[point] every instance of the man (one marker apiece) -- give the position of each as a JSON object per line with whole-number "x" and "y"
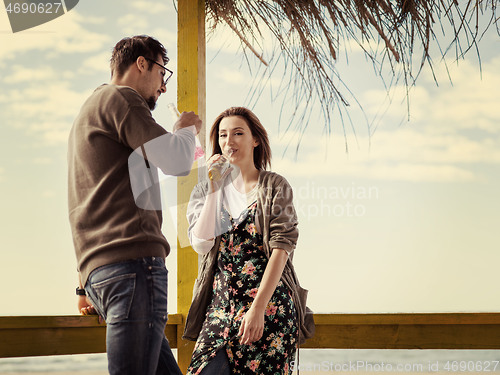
{"x": 119, "y": 246}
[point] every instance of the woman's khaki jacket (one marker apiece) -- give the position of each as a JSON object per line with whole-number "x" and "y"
{"x": 278, "y": 222}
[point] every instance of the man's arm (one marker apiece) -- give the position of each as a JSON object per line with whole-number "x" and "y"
{"x": 85, "y": 307}
{"x": 173, "y": 152}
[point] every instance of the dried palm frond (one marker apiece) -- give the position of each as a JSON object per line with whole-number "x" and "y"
{"x": 310, "y": 34}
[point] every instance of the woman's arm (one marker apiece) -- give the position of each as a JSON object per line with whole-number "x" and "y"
{"x": 205, "y": 224}
{"x": 202, "y": 209}
{"x": 194, "y": 209}
{"x": 283, "y": 234}
{"x": 252, "y": 325}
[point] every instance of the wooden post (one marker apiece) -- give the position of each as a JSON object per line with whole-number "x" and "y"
{"x": 191, "y": 89}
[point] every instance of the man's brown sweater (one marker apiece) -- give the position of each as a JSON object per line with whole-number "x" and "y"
{"x": 107, "y": 225}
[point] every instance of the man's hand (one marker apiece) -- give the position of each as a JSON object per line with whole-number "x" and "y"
{"x": 85, "y": 307}
{"x": 187, "y": 119}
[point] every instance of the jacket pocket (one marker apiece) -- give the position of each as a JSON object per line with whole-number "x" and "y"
{"x": 307, "y": 326}
{"x": 202, "y": 293}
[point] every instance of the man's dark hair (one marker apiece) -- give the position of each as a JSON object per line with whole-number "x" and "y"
{"x": 128, "y": 50}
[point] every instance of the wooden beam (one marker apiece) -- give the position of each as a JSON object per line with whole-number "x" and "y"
{"x": 191, "y": 88}
{"x": 407, "y": 331}
{"x": 55, "y": 335}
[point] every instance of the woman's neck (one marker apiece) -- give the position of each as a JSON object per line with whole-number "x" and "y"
{"x": 245, "y": 179}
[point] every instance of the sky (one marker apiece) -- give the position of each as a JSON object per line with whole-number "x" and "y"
{"x": 405, "y": 221}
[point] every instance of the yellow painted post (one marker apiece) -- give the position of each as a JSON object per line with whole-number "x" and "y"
{"x": 191, "y": 89}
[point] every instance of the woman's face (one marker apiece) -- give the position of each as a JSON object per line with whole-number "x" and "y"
{"x": 236, "y": 141}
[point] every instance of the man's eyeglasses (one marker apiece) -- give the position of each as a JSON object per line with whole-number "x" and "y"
{"x": 168, "y": 72}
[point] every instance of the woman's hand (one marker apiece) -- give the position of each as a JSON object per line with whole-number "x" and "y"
{"x": 218, "y": 170}
{"x": 252, "y": 326}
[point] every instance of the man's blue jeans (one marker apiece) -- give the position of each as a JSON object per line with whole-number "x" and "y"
{"x": 132, "y": 297}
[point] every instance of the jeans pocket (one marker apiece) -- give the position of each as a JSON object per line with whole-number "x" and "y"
{"x": 116, "y": 295}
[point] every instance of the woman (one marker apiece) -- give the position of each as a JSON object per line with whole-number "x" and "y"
{"x": 243, "y": 221}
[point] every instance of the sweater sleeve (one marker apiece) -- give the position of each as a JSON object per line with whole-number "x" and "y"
{"x": 283, "y": 225}
{"x": 173, "y": 153}
{"x": 134, "y": 122}
{"x": 195, "y": 205}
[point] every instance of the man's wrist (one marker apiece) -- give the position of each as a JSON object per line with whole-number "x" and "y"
{"x": 80, "y": 291}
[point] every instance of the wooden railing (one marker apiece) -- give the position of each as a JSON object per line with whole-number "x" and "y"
{"x": 55, "y": 335}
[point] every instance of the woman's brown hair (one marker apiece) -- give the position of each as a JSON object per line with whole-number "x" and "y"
{"x": 262, "y": 152}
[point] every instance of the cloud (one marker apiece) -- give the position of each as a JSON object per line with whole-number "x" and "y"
{"x": 45, "y": 114}
{"x": 404, "y": 154}
{"x": 223, "y": 39}
{"x": 64, "y": 35}
{"x": 150, "y": 8}
{"x": 52, "y": 132}
{"x": 414, "y": 145}
{"x": 21, "y": 74}
{"x": 397, "y": 171}
{"x": 97, "y": 63}
{"x": 469, "y": 103}
{"x": 452, "y": 132}
{"x": 139, "y": 19}
{"x": 167, "y": 38}
{"x": 42, "y": 95}
{"x": 231, "y": 76}
{"x": 57, "y": 99}
{"x": 132, "y": 24}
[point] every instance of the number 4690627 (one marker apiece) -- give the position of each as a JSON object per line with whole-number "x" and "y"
{"x": 40, "y": 8}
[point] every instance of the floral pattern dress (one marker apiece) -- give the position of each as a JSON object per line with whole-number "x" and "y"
{"x": 241, "y": 264}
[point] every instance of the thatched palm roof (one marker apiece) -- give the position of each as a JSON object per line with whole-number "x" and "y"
{"x": 310, "y": 33}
